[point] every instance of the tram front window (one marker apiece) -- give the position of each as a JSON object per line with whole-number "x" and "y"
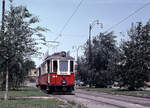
{"x": 63, "y": 66}
{"x": 55, "y": 66}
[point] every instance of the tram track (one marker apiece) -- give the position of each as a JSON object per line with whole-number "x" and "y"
{"x": 87, "y": 99}
{"x": 100, "y": 102}
{"x": 60, "y": 94}
{"x": 92, "y": 100}
{"x": 136, "y": 100}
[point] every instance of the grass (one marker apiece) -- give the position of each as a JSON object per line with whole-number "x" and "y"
{"x": 72, "y": 102}
{"x": 23, "y": 92}
{"x": 80, "y": 106}
{"x": 119, "y": 91}
{"x": 31, "y": 103}
{"x": 21, "y": 102}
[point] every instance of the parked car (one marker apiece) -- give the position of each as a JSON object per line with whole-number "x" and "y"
{"x": 79, "y": 83}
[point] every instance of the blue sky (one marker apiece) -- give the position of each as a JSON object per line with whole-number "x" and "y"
{"x": 53, "y": 14}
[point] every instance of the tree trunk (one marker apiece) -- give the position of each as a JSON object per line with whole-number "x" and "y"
{"x": 6, "y": 92}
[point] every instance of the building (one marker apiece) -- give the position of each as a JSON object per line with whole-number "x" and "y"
{"x": 32, "y": 73}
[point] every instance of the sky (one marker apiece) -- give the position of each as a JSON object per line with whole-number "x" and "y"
{"x": 53, "y": 14}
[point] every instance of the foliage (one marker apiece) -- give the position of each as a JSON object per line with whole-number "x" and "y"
{"x": 128, "y": 64}
{"x": 82, "y": 70}
{"x": 105, "y": 55}
{"x": 18, "y": 43}
{"x": 134, "y": 65}
{"x": 19, "y": 73}
{"x": 104, "y": 58}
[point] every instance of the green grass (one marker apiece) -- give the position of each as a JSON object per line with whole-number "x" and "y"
{"x": 23, "y": 92}
{"x": 32, "y": 103}
{"x": 21, "y": 102}
{"x": 119, "y": 91}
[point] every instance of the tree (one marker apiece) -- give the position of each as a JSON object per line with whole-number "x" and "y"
{"x": 19, "y": 71}
{"x": 29, "y": 64}
{"x": 82, "y": 68}
{"x": 18, "y": 40}
{"x": 135, "y": 65}
{"x": 104, "y": 59}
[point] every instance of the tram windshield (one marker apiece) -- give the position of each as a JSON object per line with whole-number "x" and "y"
{"x": 63, "y": 66}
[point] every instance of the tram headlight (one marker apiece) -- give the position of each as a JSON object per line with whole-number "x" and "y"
{"x": 63, "y": 81}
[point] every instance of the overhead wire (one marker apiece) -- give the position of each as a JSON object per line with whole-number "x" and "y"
{"x": 69, "y": 19}
{"x": 133, "y": 13}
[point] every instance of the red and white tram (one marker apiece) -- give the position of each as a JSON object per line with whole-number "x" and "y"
{"x": 56, "y": 73}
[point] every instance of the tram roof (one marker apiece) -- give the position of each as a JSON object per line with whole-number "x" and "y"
{"x": 60, "y": 55}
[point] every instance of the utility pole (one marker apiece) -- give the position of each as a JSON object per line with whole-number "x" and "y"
{"x": 2, "y": 27}
{"x": 3, "y": 15}
{"x": 2, "y": 30}
{"x": 77, "y": 49}
{"x": 90, "y": 29}
{"x": 91, "y": 25}
{"x": 90, "y": 52}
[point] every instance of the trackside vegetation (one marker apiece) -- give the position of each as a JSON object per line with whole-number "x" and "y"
{"x": 18, "y": 42}
{"x": 126, "y": 63}
{"x": 28, "y": 97}
{"x": 23, "y": 92}
{"x": 138, "y": 93}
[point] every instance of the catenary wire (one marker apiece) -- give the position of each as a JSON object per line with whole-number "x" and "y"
{"x": 67, "y": 22}
{"x": 115, "y": 25}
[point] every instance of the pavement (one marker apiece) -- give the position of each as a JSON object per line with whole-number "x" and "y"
{"x": 30, "y": 84}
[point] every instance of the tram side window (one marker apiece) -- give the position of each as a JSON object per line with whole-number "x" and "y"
{"x": 55, "y": 66}
{"x": 48, "y": 69}
{"x": 71, "y": 66}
